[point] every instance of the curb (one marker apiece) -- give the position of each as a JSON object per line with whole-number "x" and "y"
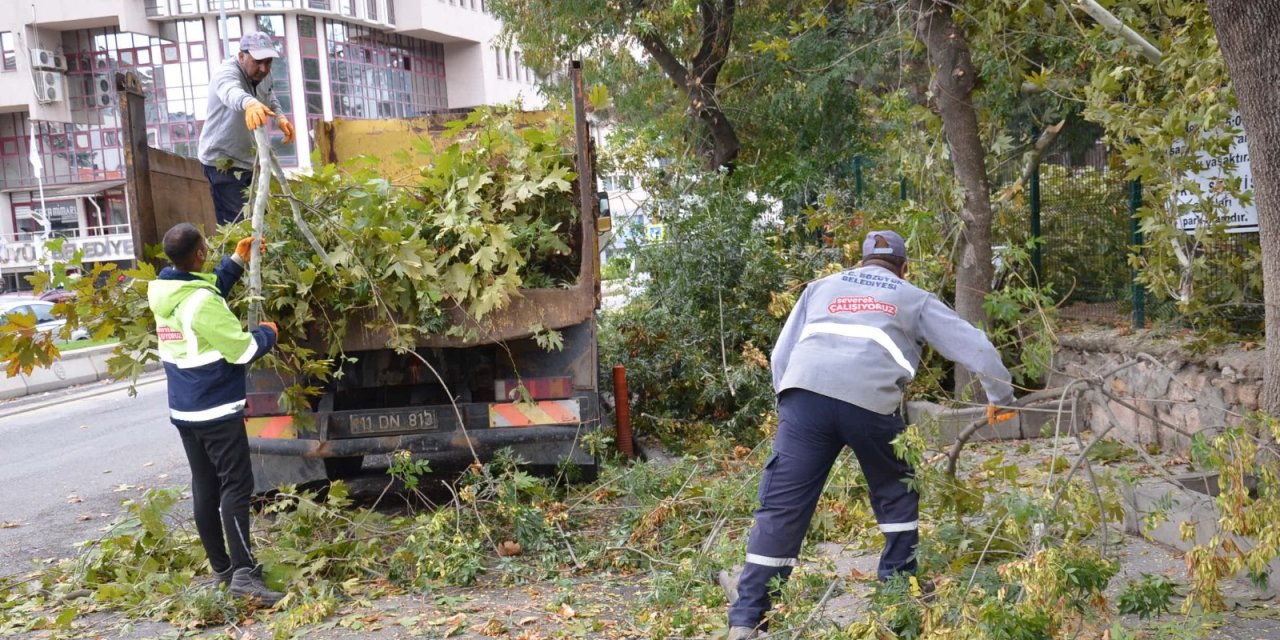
{"x": 79, "y": 367}
{"x": 1191, "y": 501}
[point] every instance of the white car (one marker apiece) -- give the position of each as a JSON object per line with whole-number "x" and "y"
{"x": 43, "y": 311}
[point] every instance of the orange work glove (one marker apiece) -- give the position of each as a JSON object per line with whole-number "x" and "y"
{"x": 245, "y": 246}
{"x": 272, "y": 326}
{"x": 286, "y": 127}
{"x": 256, "y": 114}
{"x": 999, "y": 414}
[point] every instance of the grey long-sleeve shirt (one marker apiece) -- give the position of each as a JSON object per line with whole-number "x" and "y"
{"x": 224, "y": 134}
{"x": 857, "y": 336}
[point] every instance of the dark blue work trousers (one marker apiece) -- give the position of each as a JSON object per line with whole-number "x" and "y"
{"x": 812, "y": 431}
{"x": 228, "y": 190}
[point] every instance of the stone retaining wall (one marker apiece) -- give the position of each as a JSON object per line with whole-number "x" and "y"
{"x": 1192, "y": 392}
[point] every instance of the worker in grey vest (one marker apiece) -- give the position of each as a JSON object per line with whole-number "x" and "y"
{"x": 241, "y": 99}
{"x": 847, "y": 351}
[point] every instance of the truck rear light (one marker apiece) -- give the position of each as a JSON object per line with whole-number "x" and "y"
{"x": 508, "y": 390}
{"x": 262, "y": 404}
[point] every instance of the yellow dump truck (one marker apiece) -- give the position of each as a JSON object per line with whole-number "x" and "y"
{"x": 507, "y": 391}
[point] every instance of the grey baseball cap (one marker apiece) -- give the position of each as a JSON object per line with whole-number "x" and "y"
{"x": 896, "y": 246}
{"x": 259, "y": 45}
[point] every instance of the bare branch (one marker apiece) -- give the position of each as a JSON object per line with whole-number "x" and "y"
{"x": 1113, "y": 24}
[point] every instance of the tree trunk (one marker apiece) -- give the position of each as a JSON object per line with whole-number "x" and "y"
{"x": 953, "y": 82}
{"x": 700, "y": 78}
{"x": 1245, "y": 30}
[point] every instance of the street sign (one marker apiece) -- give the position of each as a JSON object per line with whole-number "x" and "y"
{"x": 655, "y": 232}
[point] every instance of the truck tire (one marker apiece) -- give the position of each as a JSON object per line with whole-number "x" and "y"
{"x": 342, "y": 468}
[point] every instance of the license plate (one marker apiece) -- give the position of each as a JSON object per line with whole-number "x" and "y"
{"x": 376, "y": 423}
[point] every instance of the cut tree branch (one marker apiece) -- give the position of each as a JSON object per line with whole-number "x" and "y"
{"x": 1113, "y": 24}
{"x": 1042, "y": 144}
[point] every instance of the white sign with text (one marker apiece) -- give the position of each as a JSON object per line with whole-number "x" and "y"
{"x": 1239, "y": 218}
{"x": 25, "y": 255}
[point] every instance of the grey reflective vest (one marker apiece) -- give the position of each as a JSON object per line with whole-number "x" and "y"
{"x": 857, "y": 336}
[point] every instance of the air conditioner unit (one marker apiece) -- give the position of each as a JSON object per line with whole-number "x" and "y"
{"x": 50, "y": 86}
{"x": 46, "y": 60}
{"x": 102, "y": 84}
{"x": 104, "y": 99}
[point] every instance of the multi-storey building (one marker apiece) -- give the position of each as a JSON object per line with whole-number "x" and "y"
{"x": 339, "y": 59}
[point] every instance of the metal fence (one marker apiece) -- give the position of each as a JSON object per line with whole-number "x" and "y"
{"x": 1084, "y": 210}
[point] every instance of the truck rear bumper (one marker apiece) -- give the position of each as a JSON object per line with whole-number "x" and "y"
{"x": 484, "y": 441}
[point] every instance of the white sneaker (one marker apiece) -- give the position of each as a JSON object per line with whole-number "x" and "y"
{"x": 745, "y": 633}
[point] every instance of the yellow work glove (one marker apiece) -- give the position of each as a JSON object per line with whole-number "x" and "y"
{"x": 245, "y": 246}
{"x": 272, "y": 326}
{"x": 999, "y": 414}
{"x": 256, "y": 114}
{"x": 286, "y": 127}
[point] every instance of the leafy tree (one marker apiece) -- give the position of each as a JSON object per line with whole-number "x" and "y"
{"x": 691, "y": 44}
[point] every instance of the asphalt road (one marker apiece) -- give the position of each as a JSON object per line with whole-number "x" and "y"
{"x": 68, "y": 461}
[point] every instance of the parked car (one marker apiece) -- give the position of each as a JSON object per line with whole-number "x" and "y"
{"x": 46, "y": 322}
{"x": 57, "y": 295}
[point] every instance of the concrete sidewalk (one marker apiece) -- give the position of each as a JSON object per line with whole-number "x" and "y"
{"x": 72, "y": 369}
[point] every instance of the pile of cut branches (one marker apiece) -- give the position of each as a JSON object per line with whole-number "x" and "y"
{"x": 489, "y": 209}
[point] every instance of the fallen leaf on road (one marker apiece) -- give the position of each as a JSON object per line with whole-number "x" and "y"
{"x": 524, "y": 622}
{"x": 9, "y": 525}
{"x": 163, "y": 476}
{"x": 74, "y": 499}
{"x": 148, "y": 464}
{"x": 567, "y": 611}
{"x": 455, "y": 619}
{"x": 509, "y": 548}
{"x": 122, "y": 487}
{"x": 84, "y": 426}
{"x": 106, "y": 472}
{"x": 85, "y": 517}
{"x": 493, "y": 628}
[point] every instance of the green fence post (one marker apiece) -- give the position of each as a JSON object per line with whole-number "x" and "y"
{"x": 1033, "y": 196}
{"x": 1135, "y": 230}
{"x": 857, "y": 179}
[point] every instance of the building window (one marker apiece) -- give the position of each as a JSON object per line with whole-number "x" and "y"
{"x": 497, "y": 59}
{"x": 509, "y": 74}
{"x": 320, "y": 5}
{"x": 371, "y": 6}
{"x": 89, "y": 147}
{"x": 8, "y": 50}
{"x": 380, "y": 75}
{"x": 311, "y": 86}
{"x": 273, "y": 25}
{"x": 231, "y": 31}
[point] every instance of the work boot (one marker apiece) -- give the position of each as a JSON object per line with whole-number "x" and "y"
{"x": 247, "y": 583}
{"x": 745, "y": 633}
{"x": 223, "y": 578}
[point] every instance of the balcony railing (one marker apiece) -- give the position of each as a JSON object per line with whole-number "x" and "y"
{"x": 375, "y": 11}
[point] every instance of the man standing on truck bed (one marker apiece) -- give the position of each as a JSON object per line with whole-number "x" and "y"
{"x": 205, "y": 352}
{"x": 240, "y": 90}
{"x": 849, "y": 347}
